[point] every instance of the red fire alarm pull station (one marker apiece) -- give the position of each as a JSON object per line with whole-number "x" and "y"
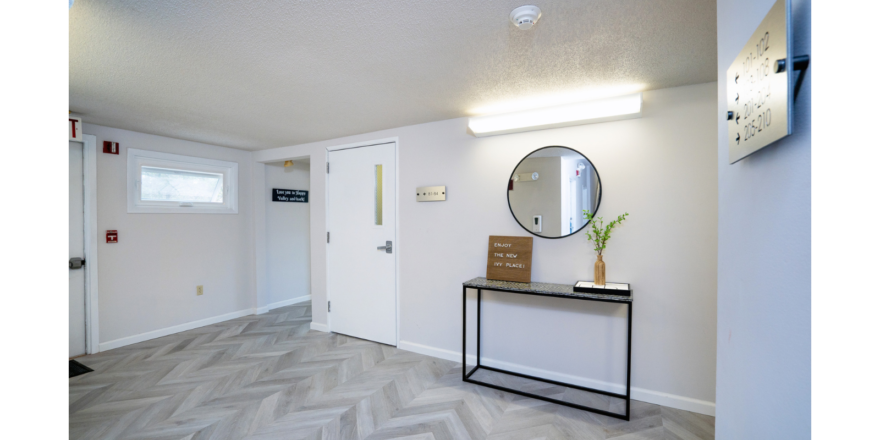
{"x": 111, "y": 147}
{"x": 112, "y": 237}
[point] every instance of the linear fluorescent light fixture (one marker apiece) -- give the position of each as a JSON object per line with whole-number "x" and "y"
{"x": 590, "y": 112}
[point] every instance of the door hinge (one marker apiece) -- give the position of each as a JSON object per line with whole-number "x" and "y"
{"x": 328, "y": 306}
{"x": 328, "y": 167}
{"x": 328, "y": 236}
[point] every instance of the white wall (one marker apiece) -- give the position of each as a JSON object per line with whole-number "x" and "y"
{"x": 147, "y": 281}
{"x": 661, "y": 168}
{"x": 287, "y": 232}
{"x": 763, "y": 257}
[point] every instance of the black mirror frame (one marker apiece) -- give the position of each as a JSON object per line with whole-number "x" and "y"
{"x": 598, "y": 178}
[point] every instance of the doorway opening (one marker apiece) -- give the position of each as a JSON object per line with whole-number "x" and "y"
{"x": 288, "y": 247}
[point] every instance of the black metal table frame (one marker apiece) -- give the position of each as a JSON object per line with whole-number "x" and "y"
{"x": 466, "y": 375}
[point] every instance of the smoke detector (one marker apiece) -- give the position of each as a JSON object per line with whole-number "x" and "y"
{"x": 524, "y": 17}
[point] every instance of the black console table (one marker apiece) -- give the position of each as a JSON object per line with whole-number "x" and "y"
{"x": 551, "y": 290}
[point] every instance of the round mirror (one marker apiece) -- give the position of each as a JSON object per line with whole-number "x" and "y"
{"x": 549, "y": 190}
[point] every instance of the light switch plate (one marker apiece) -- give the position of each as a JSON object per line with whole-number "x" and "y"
{"x": 431, "y": 194}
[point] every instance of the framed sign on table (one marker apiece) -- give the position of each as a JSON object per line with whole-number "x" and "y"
{"x": 510, "y": 259}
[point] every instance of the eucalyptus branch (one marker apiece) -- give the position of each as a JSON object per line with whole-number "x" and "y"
{"x": 600, "y": 233}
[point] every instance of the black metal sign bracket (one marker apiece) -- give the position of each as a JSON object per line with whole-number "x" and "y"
{"x": 799, "y": 64}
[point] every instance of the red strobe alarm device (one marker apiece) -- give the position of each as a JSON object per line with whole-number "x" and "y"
{"x": 111, "y": 147}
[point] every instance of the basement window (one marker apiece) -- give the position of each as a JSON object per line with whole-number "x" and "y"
{"x": 171, "y": 183}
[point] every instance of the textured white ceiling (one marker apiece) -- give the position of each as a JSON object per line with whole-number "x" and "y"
{"x": 263, "y": 74}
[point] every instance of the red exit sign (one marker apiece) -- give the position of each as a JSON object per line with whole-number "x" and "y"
{"x": 74, "y": 128}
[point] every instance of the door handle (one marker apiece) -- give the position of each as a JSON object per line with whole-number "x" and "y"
{"x": 386, "y": 248}
{"x": 76, "y": 263}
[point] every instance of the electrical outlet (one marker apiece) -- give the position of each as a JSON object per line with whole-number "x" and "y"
{"x": 200, "y": 290}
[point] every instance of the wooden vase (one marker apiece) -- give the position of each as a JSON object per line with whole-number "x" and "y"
{"x": 599, "y": 272}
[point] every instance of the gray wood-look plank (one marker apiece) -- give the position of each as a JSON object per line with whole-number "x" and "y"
{"x": 270, "y": 377}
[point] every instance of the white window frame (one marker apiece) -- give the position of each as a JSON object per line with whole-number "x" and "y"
{"x": 141, "y": 158}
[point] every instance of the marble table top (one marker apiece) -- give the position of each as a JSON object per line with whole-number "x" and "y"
{"x": 549, "y": 289}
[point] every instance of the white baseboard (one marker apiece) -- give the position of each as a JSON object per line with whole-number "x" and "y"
{"x": 286, "y": 302}
{"x": 674, "y": 401}
{"x": 449, "y": 355}
{"x": 641, "y": 394}
{"x": 128, "y": 340}
{"x": 319, "y": 327}
{"x": 289, "y": 302}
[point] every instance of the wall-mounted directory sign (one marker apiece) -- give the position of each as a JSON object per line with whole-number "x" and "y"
{"x": 290, "y": 195}
{"x": 759, "y": 96}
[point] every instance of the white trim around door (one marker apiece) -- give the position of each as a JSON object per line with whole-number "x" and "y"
{"x": 397, "y": 244}
{"x": 90, "y": 220}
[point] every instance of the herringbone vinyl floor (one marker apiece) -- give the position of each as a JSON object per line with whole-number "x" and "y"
{"x": 269, "y": 377}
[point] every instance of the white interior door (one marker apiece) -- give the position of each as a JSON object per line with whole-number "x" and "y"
{"x": 77, "y": 289}
{"x": 361, "y": 282}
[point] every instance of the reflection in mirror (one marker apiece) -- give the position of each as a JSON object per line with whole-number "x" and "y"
{"x": 550, "y": 189}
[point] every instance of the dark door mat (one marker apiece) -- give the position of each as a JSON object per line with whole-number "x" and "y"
{"x": 77, "y": 368}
